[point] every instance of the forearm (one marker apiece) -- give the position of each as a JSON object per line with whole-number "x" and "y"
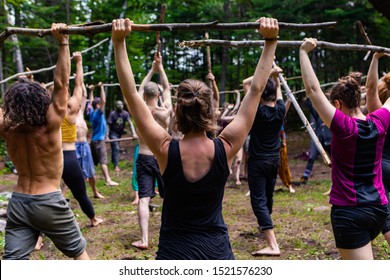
{"x": 146, "y": 79}
{"x": 309, "y": 77}
{"x": 373, "y": 101}
{"x": 313, "y": 90}
{"x": 215, "y": 93}
{"x": 249, "y": 104}
{"x": 79, "y": 82}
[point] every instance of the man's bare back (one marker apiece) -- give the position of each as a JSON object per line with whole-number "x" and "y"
{"x": 37, "y": 155}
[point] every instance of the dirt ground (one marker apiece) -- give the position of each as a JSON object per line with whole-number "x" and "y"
{"x": 302, "y": 221}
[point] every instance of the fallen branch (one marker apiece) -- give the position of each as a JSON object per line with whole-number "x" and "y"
{"x": 71, "y": 78}
{"x": 320, "y": 44}
{"x": 49, "y": 68}
{"x": 92, "y": 30}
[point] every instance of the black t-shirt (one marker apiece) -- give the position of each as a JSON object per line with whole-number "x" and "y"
{"x": 265, "y": 132}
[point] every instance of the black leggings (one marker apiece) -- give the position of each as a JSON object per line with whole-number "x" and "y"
{"x": 74, "y": 179}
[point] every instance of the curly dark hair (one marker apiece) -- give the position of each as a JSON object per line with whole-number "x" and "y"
{"x": 194, "y": 108}
{"x": 25, "y": 102}
{"x": 348, "y": 91}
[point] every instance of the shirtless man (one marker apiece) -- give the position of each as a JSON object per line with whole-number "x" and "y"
{"x": 31, "y": 130}
{"x": 147, "y": 166}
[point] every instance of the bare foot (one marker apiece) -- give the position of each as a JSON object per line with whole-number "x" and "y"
{"x": 96, "y": 221}
{"x": 327, "y": 192}
{"x": 98, "y": 195}
{"x": 238, "y": 183}
{"x": 135, "y": 202}
{"x": 39, "y": 244}
{"x": 291, "y": 189}
{"x": 117, "y": 169}
{"x": 112, "y": 184}
{"x": 140, "y": 245}
{"x": 267, "y": 251}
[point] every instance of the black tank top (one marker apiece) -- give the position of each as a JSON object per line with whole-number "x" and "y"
{"x": 192, "y": 211}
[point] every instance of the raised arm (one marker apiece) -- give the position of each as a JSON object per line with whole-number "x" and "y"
{"x": 312, "y": 85}
{"x": 74, "y": 102}
{"x": 234, "y": 134}
{"x": 215, "y": 89}
{"x": 91, "y": 88}
{"x": 147, "y": 79}
{"x": 372, "y": 98}
{"x": 57, "y": 109}
{"x": 102, "y": 96}
{"x": 83, "y": 99}
{"x": 275, "y": 76}
{"x": 156, "y": 137}
{"x": 166, "y": 95}
{"x": 238, "y": 101}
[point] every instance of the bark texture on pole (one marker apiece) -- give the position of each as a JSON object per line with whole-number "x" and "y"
{"x": 304, "y": 120}
{"x": 50, "y": 67}
{"x": 288, "y": 44}
{"x": 91, "y": 30}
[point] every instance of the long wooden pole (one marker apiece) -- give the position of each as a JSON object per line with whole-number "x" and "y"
{"x": 161, "y": 20}
{"x": 106, "y": 27}
{"x": 72, "y": 77}
{"x": 304, "y": 120}
{"x": 50, "y": 67}
{"x": 320, "y": 44}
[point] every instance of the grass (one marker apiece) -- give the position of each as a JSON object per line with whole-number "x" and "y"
{"x": 302, "y": 222}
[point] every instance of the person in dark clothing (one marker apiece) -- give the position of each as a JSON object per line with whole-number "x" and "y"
{"x": 194, "y": 169}
{"x": 264, "y": 159}
{"x": 116, "y": 123}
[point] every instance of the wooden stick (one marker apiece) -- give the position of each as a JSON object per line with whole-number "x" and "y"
{"x": 51, "y": 67}
{"x": 304, "y": 120}
{"x": 215, "y": 25}
{"x": 320, "y": 44}
{"x": 208, "y": 56}
{"x": 120, "y": 139}
{"x": 365, "y": 37}
{"x": 161, "y": 20}
{"x": 71, "y": 77}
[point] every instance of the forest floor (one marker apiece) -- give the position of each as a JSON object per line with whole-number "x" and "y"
{"x": 302, "y": 223}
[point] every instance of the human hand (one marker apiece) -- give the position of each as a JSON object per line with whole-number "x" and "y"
{"x": 120, "y": 29}
{"x": 210, "y": 77}
{"x": 61, "y": 38}
{"x": 275, "y": 71}
{"x": 378, "y": 55}
{"x": 269, "y": 28}
{"x": 308, "y": 44}
{"x": 77, "y": 57}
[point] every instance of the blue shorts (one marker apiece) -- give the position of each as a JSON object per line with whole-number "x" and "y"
{"x": 84, "y": 156}
{"x": 355, "y": 226}
{"x": 30, "y": 215}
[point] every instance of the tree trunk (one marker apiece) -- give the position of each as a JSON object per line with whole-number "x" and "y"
{"x": 110, "y": 47}
{"x": 224, "y": 56}
{"x": 16, "y": 49}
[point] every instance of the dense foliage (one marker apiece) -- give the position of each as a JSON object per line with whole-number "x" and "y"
{"x": 230, "y": 66}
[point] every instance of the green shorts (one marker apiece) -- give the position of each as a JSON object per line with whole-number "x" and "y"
{"x": 30, "y": 215}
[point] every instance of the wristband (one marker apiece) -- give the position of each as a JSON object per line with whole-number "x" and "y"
{"x": 271, "y": 39}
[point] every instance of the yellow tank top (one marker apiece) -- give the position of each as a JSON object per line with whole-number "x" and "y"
{"x": 68, "y": 131}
